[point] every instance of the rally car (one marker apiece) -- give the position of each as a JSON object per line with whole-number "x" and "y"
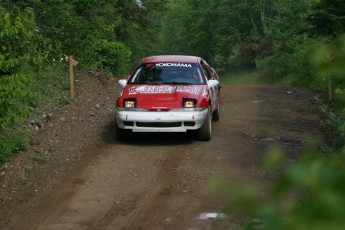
{"x": 169, "y": 93}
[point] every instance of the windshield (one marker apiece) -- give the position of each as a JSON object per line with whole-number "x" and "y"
{"x": 168, "y": 73}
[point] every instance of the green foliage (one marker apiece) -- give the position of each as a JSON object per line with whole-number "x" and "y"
{"x": 49, "y": 84}
{"x": 185, "y": 28}
{"x": 334, "y": 124}
{"x": 328, "y": 60}
{"x": 307, "y": 195}
{"x": 19, "y": 95}
{"x": 288, "y": 57}
{"x": 328, "y": 63}
{"x": 211, "y": 29}
{"x": 20, "y": 49}
{"x": 289, "y": 62}
{"x": 328, "y": 18}
{"x": 11, "y": 143}
{"x": 105, "y": 54}
{"x": 76, "y": 30}
{"x": 237, "y": 34}
{"x": 14, "y": 99}
{"x": 36, "y": 36}
{"x": 272, "y": 36}
{"x": 63, "y": 100}
{"x": 19, "y": 39}
{"x": 138, "y": 26}
{"x": 100, "y": 34}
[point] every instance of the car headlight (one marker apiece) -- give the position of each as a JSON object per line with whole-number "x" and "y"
{"x": 188, "y": 103}
{"x": 130, "y": 103}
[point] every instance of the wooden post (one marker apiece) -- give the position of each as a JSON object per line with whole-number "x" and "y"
{"x": 71, "y": 78}
{"x": 71, "y": 63}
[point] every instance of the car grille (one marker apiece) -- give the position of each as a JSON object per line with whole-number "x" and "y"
{"x": 128, "y": 123}
{"x": 190, "y": 123}
{"x": 159, "y": 124}
{"x": 159, "y": 110}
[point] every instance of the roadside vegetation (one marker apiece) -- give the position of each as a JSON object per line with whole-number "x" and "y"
{"x": 37, "y": 36}
{"x": 298, "y": 43}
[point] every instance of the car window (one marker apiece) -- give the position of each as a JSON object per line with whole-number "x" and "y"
{"x": 206, "y": 70}
{"x": 167, "y": 73}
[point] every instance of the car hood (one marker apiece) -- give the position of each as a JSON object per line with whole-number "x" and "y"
{"x": 164, "y": 96}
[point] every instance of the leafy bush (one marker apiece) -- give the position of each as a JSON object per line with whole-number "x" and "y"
{"x": 21, "y": 86}
{"x": 309, "y": 194}
{"x": 110, "y": 56}
{"x": 288, "y": 62}
{"x": 19, "y": 40}
{"x": 335, "y": 124}
{"x": 14, "y": 99}
{"x": 328, "y": 62}
{"x": 19, "y": 49}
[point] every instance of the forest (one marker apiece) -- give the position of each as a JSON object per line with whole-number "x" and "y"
{"x": 299, "y": 43}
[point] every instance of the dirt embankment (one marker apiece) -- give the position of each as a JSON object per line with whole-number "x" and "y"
{"x": 59, "y": 137}
{"x": 79, "y": 177}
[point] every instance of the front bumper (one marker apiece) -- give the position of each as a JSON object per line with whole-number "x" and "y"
{"x": 180, "y": 121}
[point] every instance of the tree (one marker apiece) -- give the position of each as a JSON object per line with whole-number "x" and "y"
{"x": 199, "y": 28}
{"x": 328, "y": 18}
{"x": 90, "y": 29}
{"x": 288, "y": 33}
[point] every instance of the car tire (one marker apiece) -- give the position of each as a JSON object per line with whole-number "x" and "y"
{"x": 205, "y": 132}
{"x": 122, "y": 134}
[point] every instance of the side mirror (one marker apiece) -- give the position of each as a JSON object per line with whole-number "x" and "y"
{"x": 212, "y": 83}
{"x": 122, "y": 83}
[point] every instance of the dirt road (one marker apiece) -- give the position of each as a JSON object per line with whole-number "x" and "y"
{"x": 158, "y": 181}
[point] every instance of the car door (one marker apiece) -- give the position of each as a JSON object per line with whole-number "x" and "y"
{"x": 213, "y": 91}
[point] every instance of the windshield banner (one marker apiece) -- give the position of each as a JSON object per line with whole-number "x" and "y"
{"x": 154, "y": 89}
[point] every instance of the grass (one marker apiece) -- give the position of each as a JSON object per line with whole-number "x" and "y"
{"x": 11, "y": 142}
{"x": 49, "y": 85}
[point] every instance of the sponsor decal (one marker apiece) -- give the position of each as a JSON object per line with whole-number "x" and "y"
{"x": 174, "y": 65}
{"x": 205, "y": 94}
{"x": 166, "y": 89}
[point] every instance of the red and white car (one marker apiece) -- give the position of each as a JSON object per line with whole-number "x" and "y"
{"x": 170, "y": 93}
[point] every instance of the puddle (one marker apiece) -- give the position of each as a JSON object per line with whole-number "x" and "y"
{"x": 206, "y": 220}
{"x": 211, "y": 215}
{"x": 262, "y": 101}
{"x": 258, "y": 101}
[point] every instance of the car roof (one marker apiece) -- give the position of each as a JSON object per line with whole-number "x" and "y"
{"x": 172, "y": 58}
